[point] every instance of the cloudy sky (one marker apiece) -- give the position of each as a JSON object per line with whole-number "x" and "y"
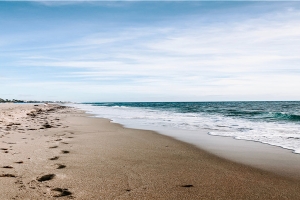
{"x": 150, "y": 51}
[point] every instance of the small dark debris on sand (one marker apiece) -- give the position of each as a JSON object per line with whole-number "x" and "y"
{"x": 19, "y": 162}
{"x": 46, "y": 177}
{"x": 53, "y": 147}
{"x": 187, "y": 186}
{"x": 65, "y": 151}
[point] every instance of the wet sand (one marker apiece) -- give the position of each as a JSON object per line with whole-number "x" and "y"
{"x": 52, "y": 151}
{"x": 263, "y": 156}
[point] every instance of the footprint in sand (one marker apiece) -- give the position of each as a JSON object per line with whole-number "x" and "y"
{"x": 54, "y": 158}
{"x": 8, "y": 175}
{"x": 60, "y": 192}
{"x": 60, "y": 166}
{"x": 64, "y": 142}
{"x": 46, "y": 177}
{"x": 5, "y": 150}
{"x": 7, "y": 167}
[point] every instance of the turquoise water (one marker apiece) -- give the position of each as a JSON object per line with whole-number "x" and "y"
{"x": 259, "y": 111}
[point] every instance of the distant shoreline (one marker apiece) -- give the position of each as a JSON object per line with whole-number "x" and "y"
{"x": 29, "y": 101}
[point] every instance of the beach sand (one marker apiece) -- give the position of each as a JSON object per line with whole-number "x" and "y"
{"x": 50, "y": 152}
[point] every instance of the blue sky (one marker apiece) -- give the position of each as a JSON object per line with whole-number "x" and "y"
{"x": 150, "y": 51}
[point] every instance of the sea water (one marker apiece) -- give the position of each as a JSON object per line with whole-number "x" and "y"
{"x": 274, "y": 123}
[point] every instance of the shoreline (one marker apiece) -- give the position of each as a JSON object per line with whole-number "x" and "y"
{"x": 92, "y": 158}
{"x": 262, "y": 156}
{"x": 275, "y": 127}
{"x": 271, "y": 158}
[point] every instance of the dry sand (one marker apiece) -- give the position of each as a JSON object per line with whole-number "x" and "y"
{"x": 50, "y": 152}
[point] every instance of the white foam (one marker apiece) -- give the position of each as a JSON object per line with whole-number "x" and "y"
{"x": 286, "y": 135}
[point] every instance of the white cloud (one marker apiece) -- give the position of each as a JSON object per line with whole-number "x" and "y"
{"x": 253, "y": 57}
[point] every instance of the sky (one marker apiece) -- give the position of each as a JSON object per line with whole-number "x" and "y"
{"x": 150, "y": 51}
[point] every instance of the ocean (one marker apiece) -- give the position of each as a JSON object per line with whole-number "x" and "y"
{"x": 274, "y": 123}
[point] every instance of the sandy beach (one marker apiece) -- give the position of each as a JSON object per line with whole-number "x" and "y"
{"x": 50, "y": 152}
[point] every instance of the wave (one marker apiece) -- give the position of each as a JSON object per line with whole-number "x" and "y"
{"x": 264, "y": 116}
{"x": 261, "y": 111}
{"x": 289, "y": 117}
